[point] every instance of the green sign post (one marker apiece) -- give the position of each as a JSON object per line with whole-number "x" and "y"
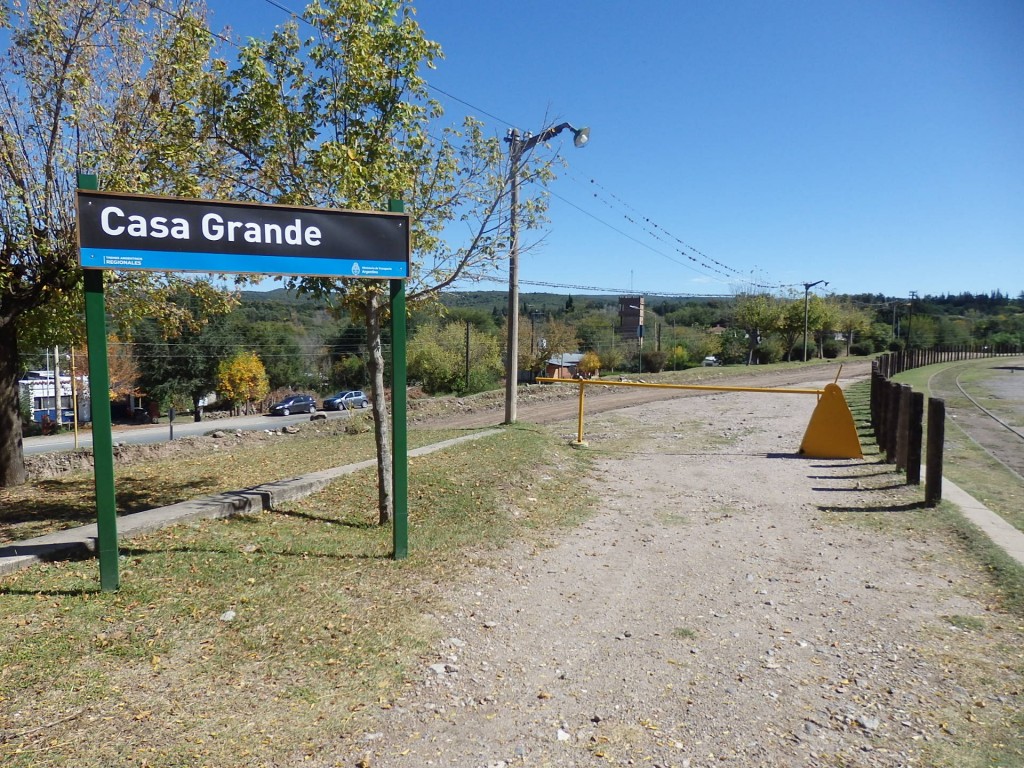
{"x": 400, "y": 455}
{"x": 102, "y": 432}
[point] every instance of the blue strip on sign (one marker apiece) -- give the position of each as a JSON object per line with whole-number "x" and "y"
{"x": 171, "y": 261}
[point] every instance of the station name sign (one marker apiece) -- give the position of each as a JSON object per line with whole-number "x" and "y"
{"x": 117, "y": 231}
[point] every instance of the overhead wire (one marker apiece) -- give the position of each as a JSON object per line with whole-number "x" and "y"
{"x": 702, "y": 263}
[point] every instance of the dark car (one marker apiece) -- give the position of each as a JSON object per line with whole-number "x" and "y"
{"x": 345, "y": 401}
{"x": 294, "y": 404}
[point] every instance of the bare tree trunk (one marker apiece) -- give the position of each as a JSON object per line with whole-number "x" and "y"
{"x": 12, "y": 456}
{"x": 381, "y": 422}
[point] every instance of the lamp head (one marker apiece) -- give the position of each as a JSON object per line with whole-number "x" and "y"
{"x": 582, "y": 136}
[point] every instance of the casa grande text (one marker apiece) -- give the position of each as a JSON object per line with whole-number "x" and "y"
{"x": 212, "y": 226}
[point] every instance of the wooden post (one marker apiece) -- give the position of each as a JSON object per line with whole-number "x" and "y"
{"x": 903, "y": 426}
{"x": 936, "y": 438}
{"x": 892, "y": 422}
{"x": 916, "y": 426}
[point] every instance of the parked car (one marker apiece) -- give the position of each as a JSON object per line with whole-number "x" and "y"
{"x": 294, "y": 404}
{"x": 346, "y": 401}
{"x": 710, "y": 361}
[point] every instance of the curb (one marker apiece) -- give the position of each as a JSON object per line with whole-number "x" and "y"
{"x": 1002, "y": 534}
{"x": 81, "y": 541}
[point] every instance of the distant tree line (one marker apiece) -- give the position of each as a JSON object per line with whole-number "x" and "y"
{"x": 457, "y": 345}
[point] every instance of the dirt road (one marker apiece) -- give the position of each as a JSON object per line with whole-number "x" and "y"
{"x": 546, "y": 404}
{"x": 727, "y": 605}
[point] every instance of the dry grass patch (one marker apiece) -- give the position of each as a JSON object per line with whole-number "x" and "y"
{"x": 199, "y": 467}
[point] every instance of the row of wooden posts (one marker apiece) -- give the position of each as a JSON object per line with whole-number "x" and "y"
{"x": 897, "y": 418}
{"x": 892, "y": 363}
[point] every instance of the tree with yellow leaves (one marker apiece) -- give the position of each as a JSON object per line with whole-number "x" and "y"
{"x": 242, "y": 379}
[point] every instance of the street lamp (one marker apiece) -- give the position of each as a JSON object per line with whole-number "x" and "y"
{"x": 518, "y": 145}
{"x": 807, "y": 289}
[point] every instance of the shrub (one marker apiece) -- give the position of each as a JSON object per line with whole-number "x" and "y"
{"x": 654, "y": 361}
{"x": 771, "y": 350}
{"x": 865, "y": 347}
{"x": 830, "y": 349}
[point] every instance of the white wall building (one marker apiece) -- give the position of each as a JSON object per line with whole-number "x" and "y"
{"x": 41, "y": 390}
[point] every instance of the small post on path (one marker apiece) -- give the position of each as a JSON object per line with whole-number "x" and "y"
{"x": 914, "y": 438}
{"x": 936, "y": 437}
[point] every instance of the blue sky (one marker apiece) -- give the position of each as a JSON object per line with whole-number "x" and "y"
{"x": 875, "y": 145}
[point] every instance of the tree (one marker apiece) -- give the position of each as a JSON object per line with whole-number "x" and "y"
{"x": 122, "y": 370}
{"x": 182, "y": 365}
{"x": 341, "y": 120}
{"x": 758, "y": 315}
{"x": 589, "y": 364}
{"x": 851, "y": 321}
{"x": 437, "y": 358}
{"x": 823, "y": 318}
{"x": 242, "y": 379}
{"x": 95, "y": 85}
{"x": 791, "y": 326}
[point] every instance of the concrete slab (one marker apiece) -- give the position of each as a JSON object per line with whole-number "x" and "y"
{"x": 81, "y": 540}
{"x": 995, "y": 527}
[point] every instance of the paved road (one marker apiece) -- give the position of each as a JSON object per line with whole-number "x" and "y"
{"x": 159, "y": 433}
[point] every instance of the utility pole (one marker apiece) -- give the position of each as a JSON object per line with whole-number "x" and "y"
{"x": 910, "y": 318}
{"x": 518, "y": 145}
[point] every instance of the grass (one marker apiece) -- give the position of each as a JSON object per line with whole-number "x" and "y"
{"x": 966, "y": 623}
{"x": 324, "y": 623}
{"x": 964, "y": 461}
{"x": 44, "y": 506}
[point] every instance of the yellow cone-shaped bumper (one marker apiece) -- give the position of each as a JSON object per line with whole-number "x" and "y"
{"x": 831, "y": 433}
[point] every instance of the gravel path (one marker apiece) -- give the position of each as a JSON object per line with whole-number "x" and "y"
{"x": 721, "y": 608}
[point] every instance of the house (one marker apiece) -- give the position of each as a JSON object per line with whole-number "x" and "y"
{"x": 563, "y": 366}
{"x": 39, "y": 390}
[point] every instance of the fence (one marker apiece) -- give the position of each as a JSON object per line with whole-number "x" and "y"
{"x": 892, "y": 363}
{"x": 897, "y": 412}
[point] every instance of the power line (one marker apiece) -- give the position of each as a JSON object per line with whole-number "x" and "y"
{"x": 618, "y": 291}
{"x": 653, "y": 229}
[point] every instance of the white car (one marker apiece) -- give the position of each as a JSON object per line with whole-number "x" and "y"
{"x": 711, "y": 361}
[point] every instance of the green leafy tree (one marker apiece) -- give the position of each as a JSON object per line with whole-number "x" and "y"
{"x": 611, "y": 358}
{"x": 242, "y": 379}
{"x": 181, "y": 365}
{"x": 437, "y": 358}
{"x": 341, "y": 119}
{"x": 758, "y": 315}
{"x": 852, "y": 322}
{"x": 791, "y": 327}
{"x": 823, "y": 319}
{"x": 278, "y": 345}
{"x": 595, "y": 330}
{"x": 94, "y": 85}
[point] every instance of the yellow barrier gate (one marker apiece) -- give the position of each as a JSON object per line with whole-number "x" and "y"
{"x": 831, "y": 433}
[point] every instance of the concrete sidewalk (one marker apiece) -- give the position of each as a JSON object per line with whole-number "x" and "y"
{"x": 81, "y": 540}
{"x": 997, "y": 529}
